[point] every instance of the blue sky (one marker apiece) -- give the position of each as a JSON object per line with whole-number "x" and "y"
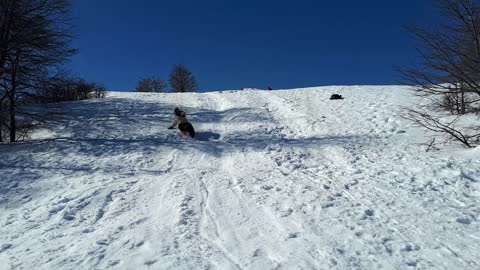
{"x": 246, "y": 43}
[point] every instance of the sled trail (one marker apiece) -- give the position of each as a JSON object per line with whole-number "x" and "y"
{"x": 274, "y": 180}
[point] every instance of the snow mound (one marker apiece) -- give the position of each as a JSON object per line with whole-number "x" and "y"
{"x": 274, "y": 180}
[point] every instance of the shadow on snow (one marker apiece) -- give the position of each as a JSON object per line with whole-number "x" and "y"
{"x": 98, "y": 136}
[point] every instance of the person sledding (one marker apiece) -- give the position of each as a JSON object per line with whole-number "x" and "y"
{"x": 181, "y": 122}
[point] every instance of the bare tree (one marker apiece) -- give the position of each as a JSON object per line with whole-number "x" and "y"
{"x": 34, "y": 39}
{"x": 151, "y": 85}
{"x": 450, "y": 71}
{"x": 65, "y": 88}
{"x": 182, "y": 80}
{"x": 99, "y": 91}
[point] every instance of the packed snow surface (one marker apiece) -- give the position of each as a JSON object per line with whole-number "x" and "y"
{"x": 275, "y": 180}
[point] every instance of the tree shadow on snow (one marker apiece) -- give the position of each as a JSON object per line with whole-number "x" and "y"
{"x": 207, "y": 136}
{"x": 105, "y": 136}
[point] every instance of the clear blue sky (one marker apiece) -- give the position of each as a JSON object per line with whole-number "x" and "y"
{"x": 230, "y": 44}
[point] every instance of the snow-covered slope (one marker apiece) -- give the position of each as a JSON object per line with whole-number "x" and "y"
{"x": 275, "y": 180}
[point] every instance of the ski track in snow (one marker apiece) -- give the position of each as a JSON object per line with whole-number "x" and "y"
{"x": 276, "y": 180}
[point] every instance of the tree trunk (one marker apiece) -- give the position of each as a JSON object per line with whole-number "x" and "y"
{"x": 13, "y": 123}
{"x": 12, "y": 94}
{"x": 1, "y": 119}
{"x": 5, "y": 24}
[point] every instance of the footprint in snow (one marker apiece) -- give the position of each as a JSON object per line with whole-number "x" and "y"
{"x": 64, "y": 200}
{"x": 410, "y": 248}
{"x": 267, "y": 187}
{"x": 412, "y": 263}
{"x": 88, "y": 230}
{"x": 292, "y": 235}
{"x": 328, "y": 205}
{"x": 137, "y": 222}
{"x": 287, "y": 212}
{"x": 69, "y": 215}
{"x": 357, "y": 171}
{"x": 369, "y": 212}
{"x": 258, "y": 252}
{"x": 4, "y": 247}
{"x": 150, "y": 262}
{"x": 102, "y": 242}
{"x": 113, "y": 263}
{"x": 56, "y": 209}
{"x": 464, "y": 220}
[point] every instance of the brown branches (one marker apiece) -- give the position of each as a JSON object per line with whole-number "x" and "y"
{"x": 446, "y": 129}
{"x": 449, "y": 75}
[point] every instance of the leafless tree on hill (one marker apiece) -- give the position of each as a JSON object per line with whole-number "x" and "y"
{"x": 182, "y": 80}
{"x": 152, "y": 84}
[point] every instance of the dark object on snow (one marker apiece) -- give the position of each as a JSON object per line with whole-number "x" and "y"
{"x": 187, "y": 129}
{"x": 336, "y": 96}
{"x": 270, "y": 88}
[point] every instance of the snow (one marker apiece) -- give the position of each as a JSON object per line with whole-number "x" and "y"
{"x": 276, "y": 180}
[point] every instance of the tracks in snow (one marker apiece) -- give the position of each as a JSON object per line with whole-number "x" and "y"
{"x": 323, "y": 193}
{"x": 295, "y": 181}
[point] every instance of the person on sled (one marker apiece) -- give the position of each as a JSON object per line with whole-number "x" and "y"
{"x": 181, "y": 122}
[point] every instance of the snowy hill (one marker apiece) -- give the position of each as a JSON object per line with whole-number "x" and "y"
{"x": 276, "y": 180}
